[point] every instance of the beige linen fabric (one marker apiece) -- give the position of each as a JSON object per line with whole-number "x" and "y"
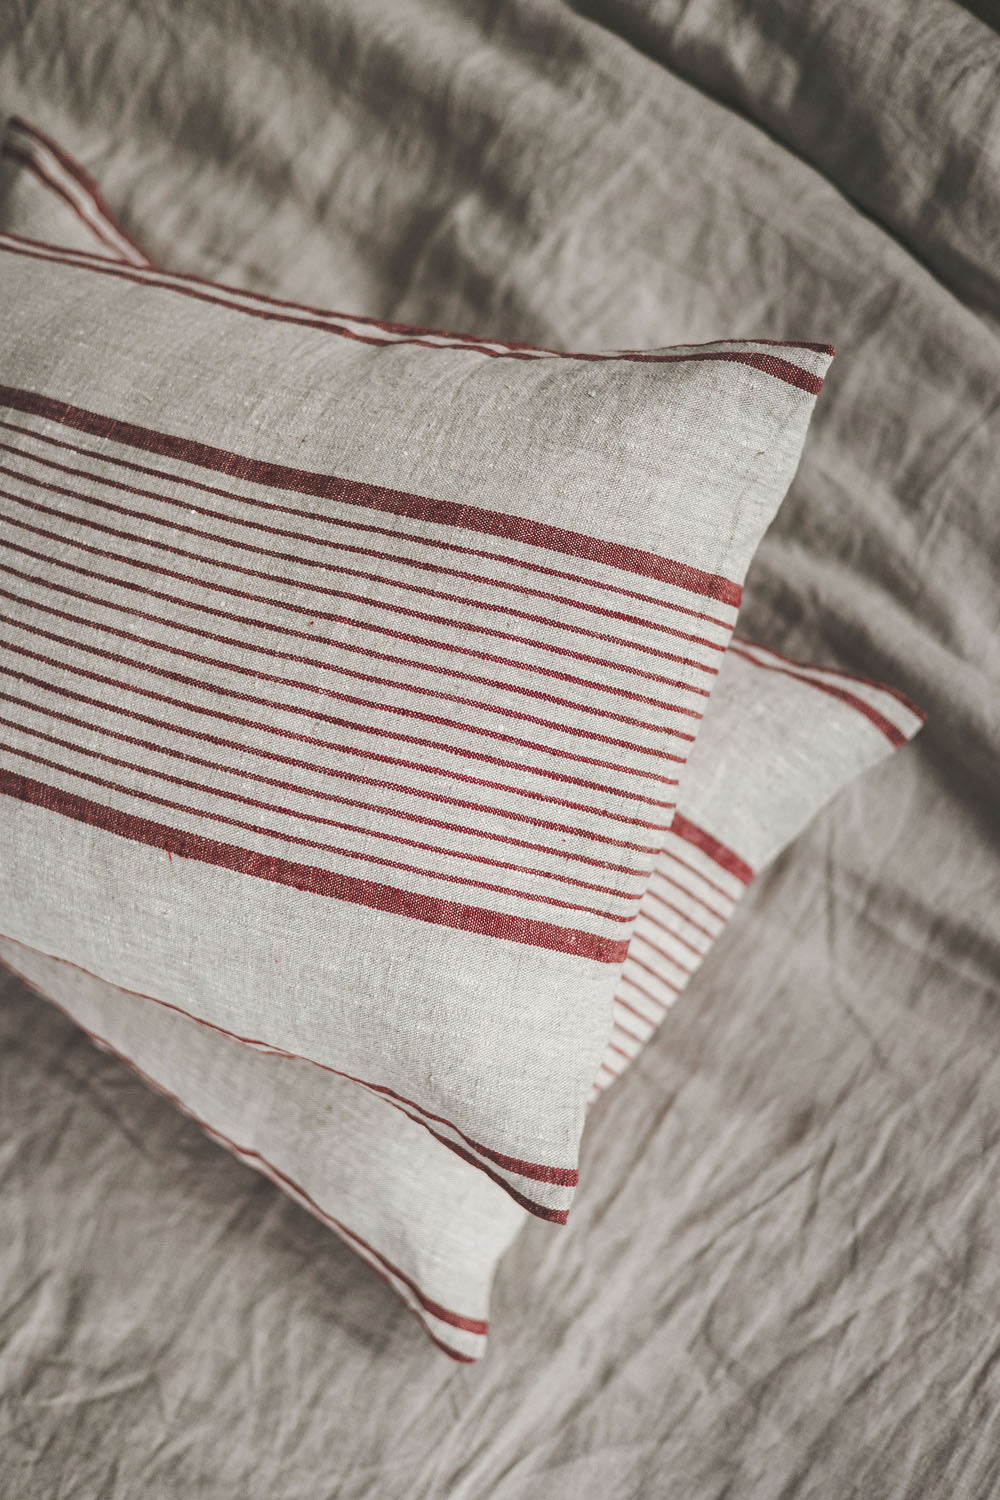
{"x": 304, "y": 615}
{"x": 789, "y": 1290}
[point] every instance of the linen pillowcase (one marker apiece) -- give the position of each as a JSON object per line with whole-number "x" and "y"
{"x": 434, "y": 1227}
{"x": 443, "y": 1221}
{"x": 349, "y": 671}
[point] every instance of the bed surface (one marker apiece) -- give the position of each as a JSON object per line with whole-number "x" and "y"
{"x": 782, "y": 1275}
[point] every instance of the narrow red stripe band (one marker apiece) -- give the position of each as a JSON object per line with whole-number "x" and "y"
{"x": 715, "y": 850}
{"x": 377, "y": 497}
{"x": 308, "y": 878}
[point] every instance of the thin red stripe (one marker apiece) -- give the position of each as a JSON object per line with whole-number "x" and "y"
{"x": 263, "y": 623}
{"x": 374, "y": 497}
{"x": 86, "y": 182}
{"x": 895, "y": 736}
{"x": 382, "y": 706}
{"x": 769, "y": 364}
{"x": 291, "y": 838}
{"x": 367, "y": 755}
{"x": 725, "y": 858}
{"x": 339, "y": 773}
{"x": 641, "y": 937}
{"x": 370, "y": 601}
{"x": 314, "y": 881}
{"x": 324, "y": 796}
{"x": 629, "y": 979}
{"x": 686, "y": 891}
{"x": 234, "y": 544}
{"x": 25, "y": 159}
{"x": 814, "y": 666}
{"x": 158, "y": 775}
{"x": 683, "y": 915}
{"x": 558, "y": 1176}
{"x": 434, "y": 543}
{"x": 338, "y": 668}
{"x": 393, "y": 558}
{"x": 321, "y": 614}
{"x": 440, "y": 746}
{"x": 668, "y": 853}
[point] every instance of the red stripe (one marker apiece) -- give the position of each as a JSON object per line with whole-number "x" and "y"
{"x": 287, "y": 734}
{"x": 815, "y": 666}
{"x": 248, "y": 1153}
{"x": 25, "y": 159}
{"x": 675, "y": 989}
{"x": 312, "y": 880}
{"x": 431, "y": 542}
{"x": 725, "y": 858}
{"x": 338, "y": 668}
{"x": 262, "y": 623}
{"x": 85, "y": 181}
{"x": 640, "y": 937}
{"x": 308, "y": 791}
{"x": 368, "y": 600}
{"x": 683, "y": 915}
{"x": 667, "y": 853}
{"x": 338, "y": 772}
{"x": 320, "y": 614}
{"x": 895, "y": 736}
{"x": 393, "y": 558}
{"x": 559, "y": 1176}
{"x": 769, "y": 364}
{"x": 291, "y": 838}
{"x": 441, "y": 746}
{"x": 375, "y": 497}
{"x": 375, "y": 833}
{"x": 409, "y": 712}
{"x": 685, "y": 890}
{"x": 390, "y": 581}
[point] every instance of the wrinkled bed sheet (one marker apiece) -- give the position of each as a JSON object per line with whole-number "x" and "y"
{"x": 782, "y": 1278}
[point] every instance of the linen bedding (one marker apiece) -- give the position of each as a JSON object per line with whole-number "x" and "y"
{"x": 780, "y": 1272}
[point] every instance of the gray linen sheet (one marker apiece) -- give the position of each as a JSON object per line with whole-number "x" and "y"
{"x": 782, "y": 1276}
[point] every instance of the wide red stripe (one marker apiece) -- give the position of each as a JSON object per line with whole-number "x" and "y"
{"x": 435, "y": 543}
{"x": 312, "y": 880}
{"x": 726, "y": 858}
{"x": 375, "y": 497}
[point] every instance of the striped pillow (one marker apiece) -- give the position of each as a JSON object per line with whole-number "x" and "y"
{"x": 427, "y": 1222}
{"x": 349, "y": 671}
{"x": 423, "y": 1219}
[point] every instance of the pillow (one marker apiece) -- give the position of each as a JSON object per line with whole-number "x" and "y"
{"x": 425, "y": 1220}
{"x": 393, "y": 1189}
{"x": 349, "y": 671}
